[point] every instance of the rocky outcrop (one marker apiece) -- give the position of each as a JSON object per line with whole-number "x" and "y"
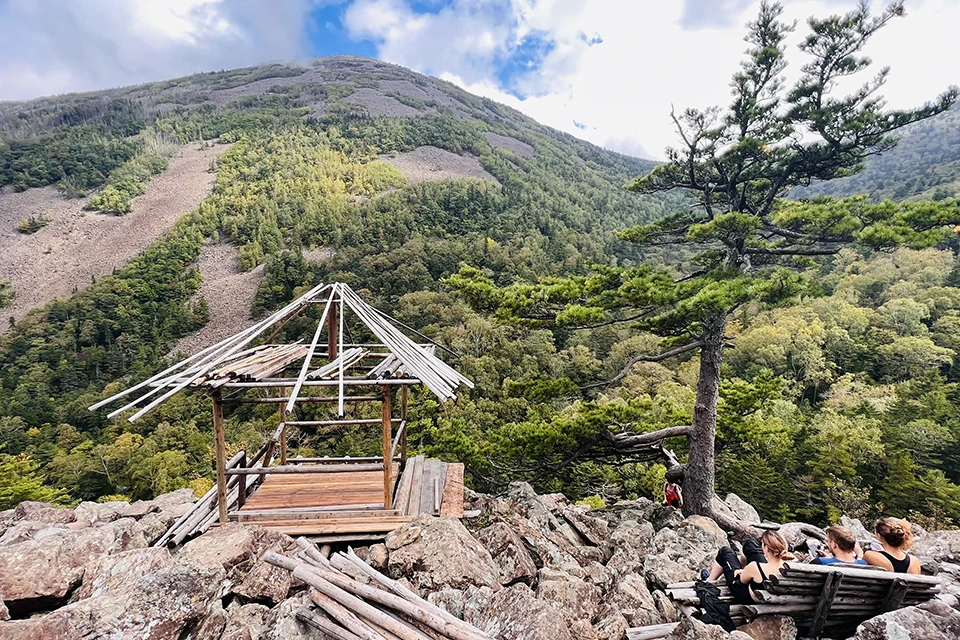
{"x": 771, "y": 628}
{"x": 526, "y": 567}
{"x": 516, "y": 613}
{"x": 930, "y": 621}
{"x": 433, "y": 553}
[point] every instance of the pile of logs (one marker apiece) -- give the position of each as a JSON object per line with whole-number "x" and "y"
{"x": 353, "y": 601}
{"x": 257, "y": 364}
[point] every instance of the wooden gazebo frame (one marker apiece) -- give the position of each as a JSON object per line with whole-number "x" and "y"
{"x": 248, "y": 368}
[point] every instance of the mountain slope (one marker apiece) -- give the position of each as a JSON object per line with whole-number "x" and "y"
{"x": 925, "y": 165}
{"x": 342, "y": 169}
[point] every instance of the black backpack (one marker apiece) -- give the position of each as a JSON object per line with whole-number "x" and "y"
{"x": 714, "y": 611}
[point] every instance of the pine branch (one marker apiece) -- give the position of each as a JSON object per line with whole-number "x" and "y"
{"x": 644, "y": 358}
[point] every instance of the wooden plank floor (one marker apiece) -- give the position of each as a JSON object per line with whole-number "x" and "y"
{"x": 294, "y": 490}
{"x": 336, "y": 506}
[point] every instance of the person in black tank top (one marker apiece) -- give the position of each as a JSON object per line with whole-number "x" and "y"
{"x": 895, "y": 537}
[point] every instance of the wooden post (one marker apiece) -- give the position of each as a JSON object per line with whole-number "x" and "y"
{"x": 221, "y": 453}
{"x": 387, "y": 442}
{"x": 332, "y": 331}
{"x": 242, "y": 482}
{"x": 830, "y": 587}
{"x": 403, "y": 418}
{"x": 283, "y": 432}
{"x": 895, "y": 595}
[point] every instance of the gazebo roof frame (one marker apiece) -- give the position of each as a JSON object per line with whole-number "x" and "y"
{"x": 415, "y": 363}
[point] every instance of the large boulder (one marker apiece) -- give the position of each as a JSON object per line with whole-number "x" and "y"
{"x": 631, "y": 542}
{"x": 609, "y": 623}
{"x": 631, "y": 597}
{"x": 642, "y": 510}
{"x": 593, "y": 530}
{"x": 282, "y": 623}
{"x": 43, "y": 512}
{"x": 515, "y": 613}
{"x": 94, "y": 513}
{"x": 932, "y": 620}
{"x": 575, "y": 599}
{"x": 163, "y": 605}
{"x": 693, "y": 629}
{"x": 771, "y": 628}
{"x": 40, "y": 573}
{"x": 239, "y": 549}
{"x": 547, "y": 548}
{"x": 440, "y": 552}
{"x": 742, "y": 509}
{"x": 245, "y": 622}
{"x": 115, "y": 572}
{"x": 509, "y": 554}
{"x": 797, "y": 533}
{"x": 679, "y": 554}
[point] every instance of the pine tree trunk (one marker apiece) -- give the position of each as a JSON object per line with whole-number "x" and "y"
{"x": 698, "y": 482}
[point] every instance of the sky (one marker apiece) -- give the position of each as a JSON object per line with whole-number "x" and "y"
{"x": 607, "y": 71}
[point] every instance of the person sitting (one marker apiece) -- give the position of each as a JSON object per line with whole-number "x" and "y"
{"x": 746, "y": 574}
{"x": 672, "y": 494}
{"x": 843, "y": 545}
{"x": 896, "y": 537}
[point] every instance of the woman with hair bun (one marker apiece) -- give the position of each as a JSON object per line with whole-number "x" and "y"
{"x": 759, "y": 561}
{"x": 896, "y": 537}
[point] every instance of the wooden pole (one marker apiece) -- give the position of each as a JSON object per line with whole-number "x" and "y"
{"x": 242, "y": 483}
{"x": 403, "y": 420}
{"x": 221, "y": 452}
{"x": 332, "y": 330}
{"x": 830, "y": 587}
{"x": 387, "y": 441}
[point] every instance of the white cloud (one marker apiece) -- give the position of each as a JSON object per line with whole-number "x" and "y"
{"x": 622, "y": 88}
{"x": 58, "y": 46}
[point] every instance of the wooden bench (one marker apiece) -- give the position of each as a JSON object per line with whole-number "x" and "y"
{"x": 825, "y": 600}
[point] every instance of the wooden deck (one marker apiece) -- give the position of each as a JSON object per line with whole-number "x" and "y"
{"x": 362, "y": 489}
{"x": 338, "y": 507}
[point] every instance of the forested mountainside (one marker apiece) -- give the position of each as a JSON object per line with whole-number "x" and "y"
{"x": 925, "y": 165}
{"x": 353, "y": 170}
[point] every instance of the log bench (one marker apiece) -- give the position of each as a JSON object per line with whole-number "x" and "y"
{"x": 824, "y": 600}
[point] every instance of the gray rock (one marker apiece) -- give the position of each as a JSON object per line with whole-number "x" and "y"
{"x": 451, "y": 600}
{"x": 679, "y": 554}
{"x": 444, "y": 554}
{"x": 932, "y": 620}
{"x": 213, "y": 624}
{"x": 572, "y": 597}
{"x": 515, "y": 613}
{"x": 547, "y": 548}
{"x": 594, "y": 530}
{"x": 631, "y": 542}
{"x": 4, "y": 614}
{"x": 631, "y": 597}
{"x": 741, "y": 508}
{"x": 117, "y": 572}
{"x": 796, "y": 533}
{"x": 245, "y": 622}
{"x": 96, "y": 513}
{"x": 37, "y": 573}
{"x": 43, "y": 512}
{"x": 377, "y": 556}
{"x": 282, "y": 623}
{"x": 859, "y": 531}
{"x": 693, "y": 629}
{"x": 509, "y": 553}
{"x": 609, "y": 623}
{"x": 159, "y": 606}
{"x": 771, "y": 628}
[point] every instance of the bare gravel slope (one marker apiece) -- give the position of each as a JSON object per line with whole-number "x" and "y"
{"x": 229, "y": 293}
{"x": 426, "y": 164}
{"x": 77, "y": 246}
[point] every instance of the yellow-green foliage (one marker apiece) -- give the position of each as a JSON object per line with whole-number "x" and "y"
{"x": 594, "y": 502}
{"x": 271, "y": 184}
